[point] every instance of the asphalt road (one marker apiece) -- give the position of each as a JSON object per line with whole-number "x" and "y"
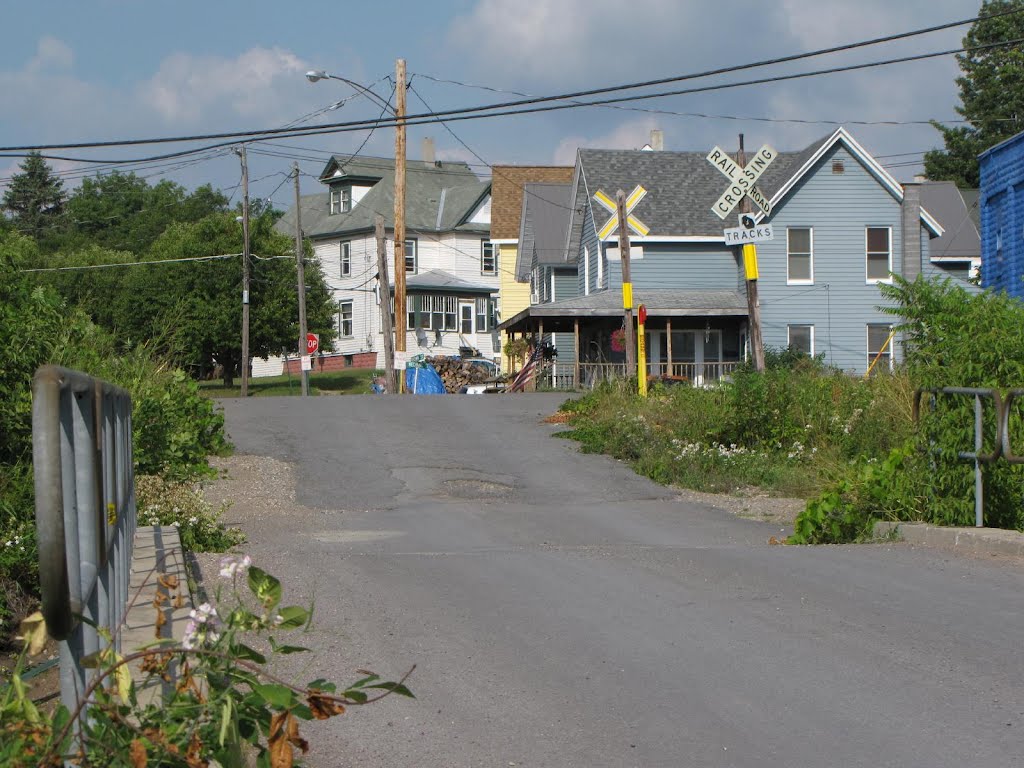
{"x": 564, "y": 612}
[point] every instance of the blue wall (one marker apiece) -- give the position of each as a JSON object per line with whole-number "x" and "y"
{"x": 680, "y": 266}
{"x": 1002, "y": 221}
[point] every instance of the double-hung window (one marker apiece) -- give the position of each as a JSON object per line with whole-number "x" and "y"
{"x": 345, "y": 319}
{"x": 800, "y": 255}
{"x": 879, "y": 254}
{"x": 488, "y": 258}
{"x": 341, "y": 200}
{"x": 345, "y": 266}
{"x": 879, "y": 346}
{"x": 483, "y": 315}
{"x": 801, "y": 339}
{"x": 437, "y": 313}
{"x": 411, "y": 257}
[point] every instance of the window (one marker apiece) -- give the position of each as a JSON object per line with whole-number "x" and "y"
{"x": 341, "y": 200}
{"x": 411, "y": 260}
{"x": 437, "y": 313}
{"x": 345, "y": 319}
{"x": 880, "y": 346}
{"x": 586, "y": 271}
{"x": 879, "y": 247}
{"x": 346, "y": 259}
{"x": 801, "y": 339}
{"x": 488, "y": 258}
{"x": 484, "y": 314}
{"x": 799, "y": 244}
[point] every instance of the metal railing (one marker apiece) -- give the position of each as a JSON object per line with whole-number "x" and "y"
{"x": 85, "y": 514}
{"x": 697, "y": 374}
{"x": 1001, "y": 443}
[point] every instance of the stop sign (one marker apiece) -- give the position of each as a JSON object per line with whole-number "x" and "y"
{"x": 312, "y": 343}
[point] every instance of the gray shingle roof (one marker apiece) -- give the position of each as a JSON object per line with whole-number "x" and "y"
{"x": 681, "y": 186}
{"x": 439, "y": 198}
{"x": 944, "y": 201}
{"x": 659, "y": 302}
{"x": 542, "y": 232}
{"x": 439, "y": 280}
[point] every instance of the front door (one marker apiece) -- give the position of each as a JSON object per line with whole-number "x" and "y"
{"x": 691, "y": 351}
{"x": 466, "y": 319}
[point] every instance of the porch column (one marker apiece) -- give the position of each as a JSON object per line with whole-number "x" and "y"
{"x": 576, "y": 346}
{"x": 540, "y": 340}
{"x": 668, "y": 342}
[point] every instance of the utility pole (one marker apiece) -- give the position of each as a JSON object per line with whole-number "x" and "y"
{"x": 627, "y": 285}
{"x": 385, "y": 308}
{"x": 300, "y": 264}
{"x": 749, "y": 252}
{"x": 400, "y": 313}
{"x": 245, "y": 271}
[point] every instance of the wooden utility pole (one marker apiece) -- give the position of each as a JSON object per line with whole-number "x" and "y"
{"x": 245, "y": 272}
{"x": 385, "y": 308}
{"x": 627, "y": 285}
{"x": 748, "y": 253}
{"x": 400, "y": 204}
{"x": 300, "y": 264}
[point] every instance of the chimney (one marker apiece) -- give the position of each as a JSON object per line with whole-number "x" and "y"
{"x": 428, "y": 150}
{"x": 911, "y": 221}
{"x": 657, "y": 140}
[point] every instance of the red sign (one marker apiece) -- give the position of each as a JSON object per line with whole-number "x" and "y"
{"x": 641, "y": 314}
{"x": 312, "y": 343}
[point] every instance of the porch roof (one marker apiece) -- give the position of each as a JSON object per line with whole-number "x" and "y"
{"x": 659, "y": 303}
{"x": 437, "y": 280}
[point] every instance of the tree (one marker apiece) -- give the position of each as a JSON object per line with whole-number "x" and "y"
{"x": 195, "y": 307}
{"x": 122, "y": 211}
{"x": 35, "y": 197}
{"x": 991, "y": 95}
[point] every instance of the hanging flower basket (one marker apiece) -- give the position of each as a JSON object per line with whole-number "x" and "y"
{"x": 619, "y": 340}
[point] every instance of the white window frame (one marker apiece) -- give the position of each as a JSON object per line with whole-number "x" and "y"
{"x": 350, "y": 321}
{"x": 442, "y": 312}
{"x": 872, "y": 354}
{"x": 345, "y": 259}
{"x": 485, "y": 246}
{"x": 412, "y": 255}
{"x": 600, "y": 267}
{"x": 789, "y": 335}
{"x": 867, "y": 258}
{"x": 586, "y": 271}
{"x": 484, "y": 314}
{"x": 800, "y": 280}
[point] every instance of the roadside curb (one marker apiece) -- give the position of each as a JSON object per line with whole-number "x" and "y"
{"x": 981, "y": 541}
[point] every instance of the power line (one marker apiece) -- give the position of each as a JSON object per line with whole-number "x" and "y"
{"x": 132, "y": 263}
{"x": 508, "y": 105}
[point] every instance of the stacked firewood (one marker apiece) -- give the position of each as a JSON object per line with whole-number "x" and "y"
{"x": 457, "y": 373}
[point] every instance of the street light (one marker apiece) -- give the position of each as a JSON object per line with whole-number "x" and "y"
{"x": 316, "y": 75}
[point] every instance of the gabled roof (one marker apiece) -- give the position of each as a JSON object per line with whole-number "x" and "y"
{"x": 440, "y": 197}
{"x": 947, "y": 204}
{"x": 543, "y": 227}
{"x": 507, "y": 193}
{"x": 682, "y": 186}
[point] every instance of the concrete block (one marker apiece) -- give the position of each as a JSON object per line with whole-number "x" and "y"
{"x": 982, "y": 541}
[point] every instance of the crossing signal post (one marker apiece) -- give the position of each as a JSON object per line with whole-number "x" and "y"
{"x": 641, "y": 350}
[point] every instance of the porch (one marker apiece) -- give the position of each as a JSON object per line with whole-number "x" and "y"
{"x": 691, "y": 337}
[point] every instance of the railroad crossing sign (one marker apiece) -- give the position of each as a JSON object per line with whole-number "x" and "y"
{"x": 742, "y": 179}
{"x": 749, "y": 231}
{"x": 609, "y": 205}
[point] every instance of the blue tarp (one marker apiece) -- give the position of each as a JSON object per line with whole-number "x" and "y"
{"x": 423, "y": 381}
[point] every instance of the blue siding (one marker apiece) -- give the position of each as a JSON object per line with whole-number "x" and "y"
{"x": 682, "y": 266}
{"x": 1002, "y": 238}
{"x": 589, "y": 249}
{"x": 840, "y": 303}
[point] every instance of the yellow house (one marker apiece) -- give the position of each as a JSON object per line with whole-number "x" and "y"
{"x": 507, "y": 183}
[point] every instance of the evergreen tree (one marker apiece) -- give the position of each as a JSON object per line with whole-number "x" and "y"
{"x": 991, "y": 94}
{"x": 35, "y": 197}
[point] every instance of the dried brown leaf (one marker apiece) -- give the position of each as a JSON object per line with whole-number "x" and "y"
{"x": 323, "y": 707}
{"x": 137, "y": 754}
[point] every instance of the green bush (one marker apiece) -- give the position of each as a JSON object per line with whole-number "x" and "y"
{"x": 181, "y": 504}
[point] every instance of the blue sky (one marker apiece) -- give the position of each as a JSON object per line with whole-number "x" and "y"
{"x": 110, "y": 69}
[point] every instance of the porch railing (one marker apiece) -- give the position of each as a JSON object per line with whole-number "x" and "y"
{"x": 85, "y": 514}
{"x": 698, "y": 374}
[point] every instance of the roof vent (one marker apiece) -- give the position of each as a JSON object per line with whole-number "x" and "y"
{"x": 838, "y": 167}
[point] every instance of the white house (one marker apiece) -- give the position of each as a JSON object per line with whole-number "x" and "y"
{"x": 452, "y": 276}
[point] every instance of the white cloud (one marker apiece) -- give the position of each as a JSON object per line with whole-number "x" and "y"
{"x": 187, "y": 88}
{"x": 632, "y": 134}
{"x": 51, "y": 55}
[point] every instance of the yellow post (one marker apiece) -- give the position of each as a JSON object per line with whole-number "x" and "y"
{"x": 641, "y": 349}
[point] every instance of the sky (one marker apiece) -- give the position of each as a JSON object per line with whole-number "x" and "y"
{"x": 103, "y": 70}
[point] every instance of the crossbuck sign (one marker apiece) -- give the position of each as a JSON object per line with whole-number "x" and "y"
{"x": 632, "y": 221}
{"x": 743, "y": 180}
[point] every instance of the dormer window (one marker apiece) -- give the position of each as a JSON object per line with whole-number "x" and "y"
{"x": 341, "y": 200}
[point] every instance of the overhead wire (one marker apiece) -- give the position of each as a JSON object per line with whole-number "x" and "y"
{"x": 507, "y": 107}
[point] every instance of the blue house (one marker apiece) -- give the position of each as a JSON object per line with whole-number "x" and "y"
{"x": 843, "y": 226}
{"x": 1002, "y": 216}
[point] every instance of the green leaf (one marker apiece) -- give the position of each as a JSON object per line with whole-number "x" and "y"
{"x": 265, "y": 587}
{"x": 276, "y": 695}
{"x": 322, "y": 685}
{"x": 398, "y": 688}
{"x": 243, "y": 651}
{"x": 225, "y": 720}
{"x": 293, "y": 617}
{"x": 285, "y": 649}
